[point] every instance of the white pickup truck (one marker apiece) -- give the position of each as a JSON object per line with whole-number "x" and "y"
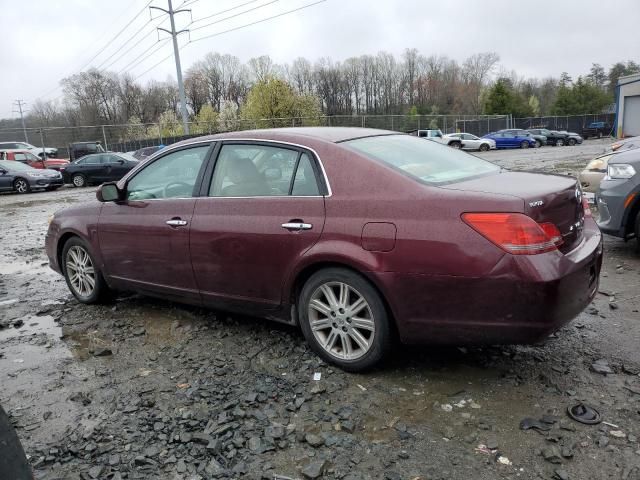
{"x": 438, "y": 136}
{"x": 22, "y": 146}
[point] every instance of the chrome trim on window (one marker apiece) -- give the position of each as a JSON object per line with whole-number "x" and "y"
{"x": 281, "y": 142}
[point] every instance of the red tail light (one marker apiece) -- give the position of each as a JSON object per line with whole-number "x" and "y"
{"x": 515, "y": 233}
{"x": 585, "y": 206}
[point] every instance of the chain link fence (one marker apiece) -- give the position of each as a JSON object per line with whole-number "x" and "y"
{"x": 131, "y": 137}
{"x": 571, "y": 123}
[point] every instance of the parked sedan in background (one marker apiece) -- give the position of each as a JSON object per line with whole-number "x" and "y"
{"x": 98, "y": 168}
{"x": 554, "y": 137}
{"x": 512, "y": 140}
{"x": 471, "y": 142}
{"x": 353, "y": 234}
{"x": 539, "y": 138}
{"x": 572, "y": 138}
{"x": 21, "y": 146}
{"x": 33, "y": 160}
{"x": 618, "y": 197}
{"x": 21, "y": 178}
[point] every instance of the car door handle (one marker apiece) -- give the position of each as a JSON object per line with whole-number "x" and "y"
{"x": 297, "y": 226}
{"x": 176, "y": 222}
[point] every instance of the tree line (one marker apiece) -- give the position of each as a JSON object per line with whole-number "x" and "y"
{"x": 221, "y": 88}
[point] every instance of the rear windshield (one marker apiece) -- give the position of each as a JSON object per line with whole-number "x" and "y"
{"x": 424, "y": 160}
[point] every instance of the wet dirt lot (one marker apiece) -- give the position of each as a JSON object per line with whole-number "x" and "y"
{"x": 142, "y": 388}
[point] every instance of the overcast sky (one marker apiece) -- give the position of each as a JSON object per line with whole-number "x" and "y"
{"x": 46, "y": 40}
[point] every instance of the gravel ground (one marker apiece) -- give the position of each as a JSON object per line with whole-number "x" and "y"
{"x": 143, "y": 388}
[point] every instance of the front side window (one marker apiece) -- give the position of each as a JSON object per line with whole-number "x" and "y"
{"x": 172, "y": 176}
{"x": 262, "y": 171}
{"x": 427, "y": 162}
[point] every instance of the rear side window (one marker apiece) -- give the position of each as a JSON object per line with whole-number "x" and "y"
{"x": 262, "y": 171}
{"x": 20, "y": 157}
{"x": 427, "y": 162}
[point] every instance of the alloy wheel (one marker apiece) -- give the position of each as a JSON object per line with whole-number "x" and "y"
{"x": 21, "y": 186}
{"x": 341, "y": 320}
{"x": 78, "y": 181}
{"x": 80, "y": 271}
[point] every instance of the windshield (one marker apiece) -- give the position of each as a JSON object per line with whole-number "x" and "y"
{"x": 428, "y": 162}
{"x": 9, "y": 165}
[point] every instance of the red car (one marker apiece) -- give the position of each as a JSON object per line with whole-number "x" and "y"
{"x": 33, "y": 160}
{"x": 355, "y": 235}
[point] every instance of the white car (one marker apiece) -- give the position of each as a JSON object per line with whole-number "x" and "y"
{"x": 22, "y": 146}
{"x": 438, "y": 137}
{"x": 471, "y": 142}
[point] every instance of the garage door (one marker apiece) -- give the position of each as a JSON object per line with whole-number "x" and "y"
{"x": 631, "y": 118}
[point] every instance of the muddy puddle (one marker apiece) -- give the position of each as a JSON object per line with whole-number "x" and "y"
{"x": 26, "y": 268}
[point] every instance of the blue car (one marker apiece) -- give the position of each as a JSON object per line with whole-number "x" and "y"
{"x": 512, "y": 140}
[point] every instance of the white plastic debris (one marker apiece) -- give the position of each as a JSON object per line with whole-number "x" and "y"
{"x": 446, "y": 407}
{"x": 317, "y": 376}
{"x": 504, "y": 460}
{"x": 361, "y": 387}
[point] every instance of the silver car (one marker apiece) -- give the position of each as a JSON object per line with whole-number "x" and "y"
{"x": 618, "y": 197}
{"x": 471, "y": 142}
{"x": 21, "y": 178}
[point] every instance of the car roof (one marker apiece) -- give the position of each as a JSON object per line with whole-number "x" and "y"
{"x": 327, "y": 134}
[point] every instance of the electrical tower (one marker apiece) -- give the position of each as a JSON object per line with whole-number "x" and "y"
{"x": 21, "y": 103}
{"x": 176, "y": 54}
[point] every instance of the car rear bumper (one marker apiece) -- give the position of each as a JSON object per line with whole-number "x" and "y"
{"x": 547, "y": 291}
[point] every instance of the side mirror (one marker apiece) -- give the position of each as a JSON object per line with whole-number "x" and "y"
{"x": 108, "y": 192}
{"x": 2, "y": 171}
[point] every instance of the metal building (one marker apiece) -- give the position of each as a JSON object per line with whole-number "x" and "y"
{"x": 628, "y": 106}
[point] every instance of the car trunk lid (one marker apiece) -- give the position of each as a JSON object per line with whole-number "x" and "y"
{"x": 556, "y": 199}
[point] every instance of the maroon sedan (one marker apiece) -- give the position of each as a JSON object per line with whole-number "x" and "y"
{"x": 354, "y": 234}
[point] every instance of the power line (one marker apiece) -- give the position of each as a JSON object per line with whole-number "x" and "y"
{"x": 234, "y": 15}
{"x": 102, "y": 49}
{"x": 225, "y": 11}
{"x": 20, "y": 103}
{"x": 124, "y": 44}
{"x": 230, "y": 30}
{"x": 258, "y": 21}
{"x": 157, "y": 44}
{"x": 116, "y": 35}
{"x": 120, "y": 57}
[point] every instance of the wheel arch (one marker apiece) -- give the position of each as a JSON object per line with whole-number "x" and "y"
{"x": 631, "y": 214}
{"x": 305, "y": 273}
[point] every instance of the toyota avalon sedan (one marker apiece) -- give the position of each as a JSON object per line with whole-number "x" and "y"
{"x": 99, "y": 168}
{"x": 356, "y": 235}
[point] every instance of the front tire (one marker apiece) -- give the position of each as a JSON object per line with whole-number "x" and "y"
{"x": 538, "y": 144}
{"x": 20, "y": 185}
{"x": 571, "y": 142}
{"x": 83, "y": 277}
{"x": 484, "y": 147}
{"x": 79, "y": 180}
{"x": 457, "y": 145}
{"x": 560, "y": 142}
{"x": 344, "y": 320}
{"x": 524, "y": 144}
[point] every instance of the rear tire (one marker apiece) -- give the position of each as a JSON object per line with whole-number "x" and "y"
{"x": 79, "y": 180}
{"x": 484, "y": 147}
{"x": 457, "y": 145}
{"x": 571, "y": 142}
{"x": 84, "y": 279}
{"x": 538, "y": 144}
{"x": 20, "y": 185}
{"x": 524, "y": 144}
{"x": 560, "y": 142}
{"x": 344, "y": 319}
